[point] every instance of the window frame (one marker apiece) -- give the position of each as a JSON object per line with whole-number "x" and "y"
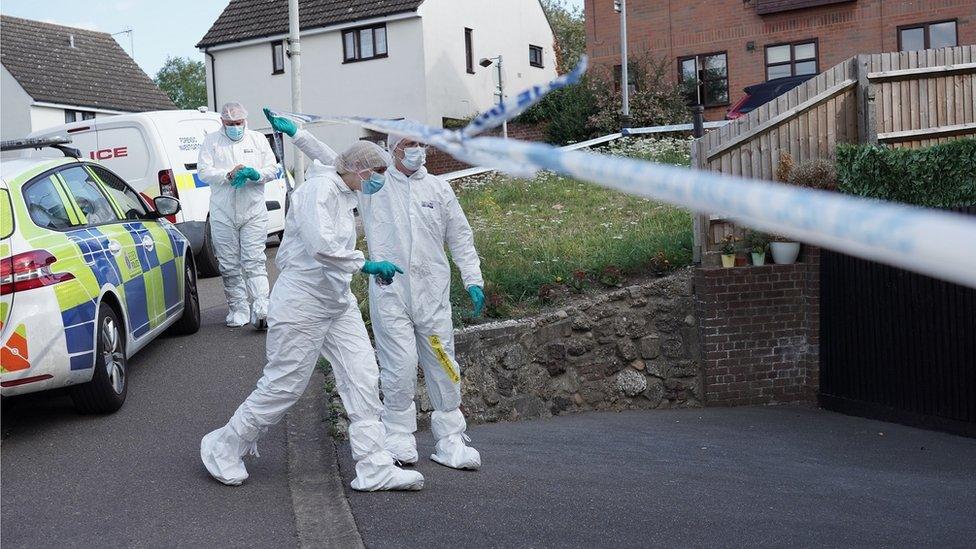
{"x": 792, "y": 62}
{"x": 74, "y": 203}
{"x": 274, "y": 57}
{"x": 469, "y": 50}
{"x": 147, "y": 212}
{"x": 357, "y": 44}
{"x": 66, "y": 202}
{"x": 699, "y": 68}
{"x": 75, "y": 113}
{"x": 926, "y": 41}
{"x": 541, "y": 62}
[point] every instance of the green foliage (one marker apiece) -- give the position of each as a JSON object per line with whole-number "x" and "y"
{"x": 184, "y": 81}
{"x": 569, "y": 30}
{"x": 565, "y": 113}
{"x": 941, "y": 176}
{"x": 655, "y": 100}
{"x": 757, "y": 242}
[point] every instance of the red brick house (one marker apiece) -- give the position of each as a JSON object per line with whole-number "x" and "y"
{"x": 731, "y": 44}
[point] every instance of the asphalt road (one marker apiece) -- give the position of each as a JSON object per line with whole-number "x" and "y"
{"x": 134, "y": 478}
{"x": 743, "y": 477}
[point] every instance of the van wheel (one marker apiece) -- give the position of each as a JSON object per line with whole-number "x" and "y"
{"x": 207, "y": 264}
{"x": 189, "y": 322}
{"x": 105, "y": 393}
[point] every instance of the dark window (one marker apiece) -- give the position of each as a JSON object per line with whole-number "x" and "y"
{"x": 617, "y": 76}
{"x": 468, "y": 51}
{"x": 89, "y": 198}
{"x": 795, "y": 59}
{"x": 75, "y": 116}
{"x": 364, "y": 43}
{"x": 45, "y": 206}
{"x": 278, "y": 57}
{"x": 926, "y": 36}
{"x": 125, "y": 198}
{"x": 705, "y": 78}
{"x": 535, "y": 56}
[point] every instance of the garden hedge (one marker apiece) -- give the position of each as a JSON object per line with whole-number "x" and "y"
{"x": 941, "y": 176}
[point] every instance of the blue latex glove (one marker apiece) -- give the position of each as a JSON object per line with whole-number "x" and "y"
{"x": 249, "y": 173}
{"x": 384, "y": 270}
{"x": 239, "y": 180}
{"x": 281, "y": 124}
{"x": 477, "y": 298}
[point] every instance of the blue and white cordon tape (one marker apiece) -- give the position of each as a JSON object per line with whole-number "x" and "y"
{"x": 932, "y": 242}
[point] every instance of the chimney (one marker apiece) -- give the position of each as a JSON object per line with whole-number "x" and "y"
{"x": 71, "y": 41}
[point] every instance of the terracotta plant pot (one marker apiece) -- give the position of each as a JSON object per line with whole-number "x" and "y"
{"x": 728, "y": 260}
{"x": 784, "y": 253}
{"x": 758, "y": 259}
{"x": 741, "y": 261}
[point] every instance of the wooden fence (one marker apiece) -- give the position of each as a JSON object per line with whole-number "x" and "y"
{"x": 906, "y": 99}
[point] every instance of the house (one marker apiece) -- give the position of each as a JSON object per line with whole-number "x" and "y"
{"x": 54, "y": 74}
{"x": 727, "y": 45}
{"x": 415, "y": 59}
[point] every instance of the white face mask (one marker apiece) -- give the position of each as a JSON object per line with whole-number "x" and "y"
{"x": 414, "y": 157}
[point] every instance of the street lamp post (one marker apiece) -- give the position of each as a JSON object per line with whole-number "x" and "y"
{"x": 294, "y": 53}
{"x": 486, "y": 62}
{"x": 620, "y": 6}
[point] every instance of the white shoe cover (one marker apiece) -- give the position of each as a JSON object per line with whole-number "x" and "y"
{"x": 450, "y": 450}
{"x": 221, "y": 453}
{"x": 400, "y": 427}
{"x": 377, "y": 472}
{"x": 238, "y": 316}
{"x": 259, "y": 321}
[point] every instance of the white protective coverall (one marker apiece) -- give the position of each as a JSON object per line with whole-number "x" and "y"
{"x": 313, "y": 311}
{"x": 408, "y": 224}
{"x": 239, "y": 219}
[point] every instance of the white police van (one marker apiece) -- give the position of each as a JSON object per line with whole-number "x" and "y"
{"x": 156, "y": 153}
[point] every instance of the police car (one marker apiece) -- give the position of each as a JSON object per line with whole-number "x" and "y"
{"x": 89, "y": 274}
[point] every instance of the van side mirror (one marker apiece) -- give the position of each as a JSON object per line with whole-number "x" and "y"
{"x": 166, "y": 205}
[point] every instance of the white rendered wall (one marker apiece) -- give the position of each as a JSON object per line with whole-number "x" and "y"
{"x": 505, "y": 27}
{"x": 15, "y": 108}
{"x": 391, "y": 87}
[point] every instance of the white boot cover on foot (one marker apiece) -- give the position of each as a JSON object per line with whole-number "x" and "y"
{"x": 375, "y": 469}
{"x": 400, "y": 427}
{"x": 238, "y": 315}
{"x": 221, "y": 453}
{"x": 450, "y": 450}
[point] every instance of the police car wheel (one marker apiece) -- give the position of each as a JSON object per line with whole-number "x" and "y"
{"x": 207, "y": 265}
{"x": 106, "y": 391}
{"x": 189, "y": 322}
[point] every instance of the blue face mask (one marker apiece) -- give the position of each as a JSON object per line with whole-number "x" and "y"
{"x": 234, "y": 132}
{"x": 373, "y": 184}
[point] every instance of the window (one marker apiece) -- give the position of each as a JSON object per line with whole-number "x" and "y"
{"x": 705, "y": 78}
{"x": 618, "y": 76}
{"x": 75, "y": 116}
{"x": 90, "y": 200}
{"x": 124, "y": 197}
{"x": 798, "y": 58}
{"x": 927, "y": 36}
{"x": 278, "y": 57}
{"x": 364, "y": 43}
{"x": 45, "y": 206}
{"x": 535, "y": 56}
{"x": 468, "y": 51}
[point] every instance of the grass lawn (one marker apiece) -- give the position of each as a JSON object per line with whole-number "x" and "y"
{"x": 553, "y": 231}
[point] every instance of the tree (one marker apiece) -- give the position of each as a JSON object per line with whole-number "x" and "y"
{"x": 184, "y": 81}
{"x": 569, "y": 31}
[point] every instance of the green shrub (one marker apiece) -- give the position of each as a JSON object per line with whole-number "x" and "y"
{"x": 565, "y": 112}
{"x": 941, "y": 176}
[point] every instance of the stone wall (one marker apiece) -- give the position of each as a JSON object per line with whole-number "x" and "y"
{"x": 629, "y": 348}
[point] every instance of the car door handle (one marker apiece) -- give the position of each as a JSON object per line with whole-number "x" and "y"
{"x": 114, "y": 247}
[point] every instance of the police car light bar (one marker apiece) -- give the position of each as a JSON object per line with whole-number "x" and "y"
{"x": 59, "y": 143}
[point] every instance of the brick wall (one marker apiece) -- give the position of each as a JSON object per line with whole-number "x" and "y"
{"x": 439, "y": 162}
{"x": 693, "y": 28}
{"x": 760, "y": 332}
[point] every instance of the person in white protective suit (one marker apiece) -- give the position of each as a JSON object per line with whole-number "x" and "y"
{"x": 236, "y": 163}
{"x": 313, "y": 311}
{"x": 409, "y": 224}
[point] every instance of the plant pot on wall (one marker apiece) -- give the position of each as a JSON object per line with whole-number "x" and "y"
{"x": 785, "y": 253}
{"x": 758, "y": 258}
{"x": 728, "y": 260}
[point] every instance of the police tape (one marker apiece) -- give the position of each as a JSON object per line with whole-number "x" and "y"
{"x": 933, "y": 242}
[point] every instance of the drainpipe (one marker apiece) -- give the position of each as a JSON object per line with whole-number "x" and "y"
{"x": 213, "y": 77}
